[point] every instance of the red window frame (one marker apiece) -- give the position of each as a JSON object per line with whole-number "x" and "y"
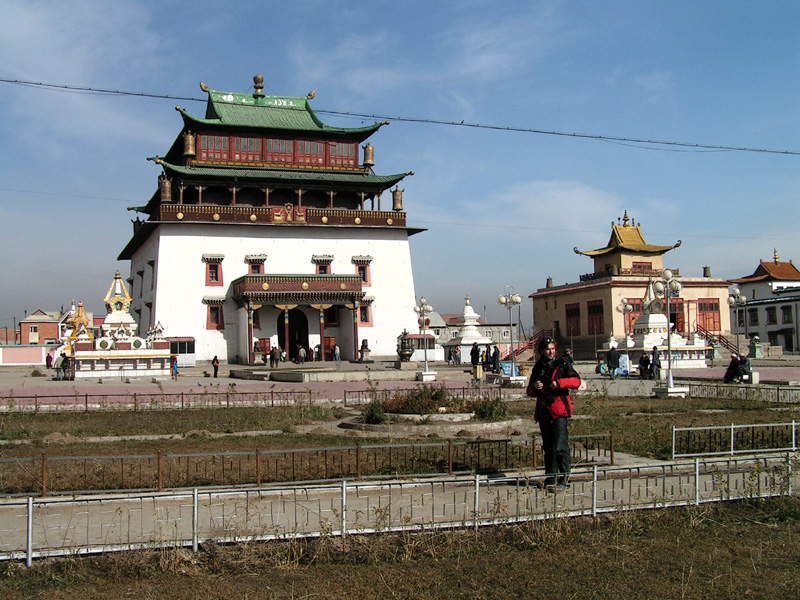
{"x": 323, "y": 269}
{"x": 214, "y": 274}
{"x": 365, "y": 315}
{"x": 215, "y": 317}
{"x": 363, "y": 271}
{"x": 708, "y": 315}
{"x": 256, "y": 269}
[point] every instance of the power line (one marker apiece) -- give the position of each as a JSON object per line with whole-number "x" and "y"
{"x": 640, "y": 143}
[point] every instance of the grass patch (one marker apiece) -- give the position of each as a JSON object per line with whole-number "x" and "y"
{"x": 721, "y": 551}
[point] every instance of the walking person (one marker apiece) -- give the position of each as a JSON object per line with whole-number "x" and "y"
{"x": 550, "y": 382}
{"x": 175, "y": 368}
{"x": 215, "y": 364}
{"x": 58, "y": 365}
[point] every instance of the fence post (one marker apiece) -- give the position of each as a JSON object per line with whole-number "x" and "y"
{"x": 181, "y": 400}
{"x": 611, "y": 437}
{"x": 194, "y": 520}
{"x": 794, "y": 436}
{"x": 358, "y": 461}
{"x": 673, "y": 442}
{"x": 159, "y": 470}
{"x": 449, "y": 457}
{"x": 135, "y": 403}
{"x": 344, "y": 398}
{"x": 533, "y": 450}
{"x": 733, "y": 436}
{"x": 697, "y": 481}
{"x": 477, "y": 499}
{"x": 86, "y": 402}
{"x": 344, "y": 507}
{"x": 258, "y": 467}
{"x": 36, "y": 402}
{"x": 29, "y": 535}
{"x": 44, "y": 473}
{"x": 594, "y": 491}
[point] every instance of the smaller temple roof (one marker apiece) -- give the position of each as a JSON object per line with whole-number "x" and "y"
{"x": 627, "y": 237}
{"x": 776, "y": 270}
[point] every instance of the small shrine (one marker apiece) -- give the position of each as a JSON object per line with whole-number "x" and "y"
{"x": 468, "y": 332}
{"x": 117, "y": 350}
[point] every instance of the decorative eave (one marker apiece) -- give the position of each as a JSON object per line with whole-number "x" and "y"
{"x": 305, "y": 289}
{"x": 775, "y": 270}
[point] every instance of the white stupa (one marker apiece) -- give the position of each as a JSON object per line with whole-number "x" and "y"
{"x": 468, "y": 333}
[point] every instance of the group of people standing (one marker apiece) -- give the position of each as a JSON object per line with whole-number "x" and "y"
{"x": 737, "y": 368}
{"x": 488, "y": 358}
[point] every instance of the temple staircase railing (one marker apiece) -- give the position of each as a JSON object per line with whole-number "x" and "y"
{"x": 718, "y": 338}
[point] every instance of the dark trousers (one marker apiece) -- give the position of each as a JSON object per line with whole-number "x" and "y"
{"x": 555, "y": 443}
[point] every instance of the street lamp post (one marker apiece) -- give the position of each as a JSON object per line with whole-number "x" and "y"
{"x": 667, "y": 286}
{"x": 736, "y": 301}
{"x": 625, "y": 308}
{"x": 510, "y": 300}
{"x": 423, "y": 310}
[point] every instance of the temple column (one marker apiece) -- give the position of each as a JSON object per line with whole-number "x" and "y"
{"x": 299, "y": 198}
{"x": 286, "y": 331}
{"x": 321, "y": 308}
{"x": 332, "y": 194}
{"x": 355, "y": 331}
{"x": 180, "y": 193}
{"x": 362, "y": 200}
{"x": 250, "y": 353}
{"x": 233, "y": 191}
{"x": 200, "y": 189}
{"x": 266, "y": 195}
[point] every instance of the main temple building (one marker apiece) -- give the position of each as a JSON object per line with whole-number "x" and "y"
{"x": 267, "y": 228}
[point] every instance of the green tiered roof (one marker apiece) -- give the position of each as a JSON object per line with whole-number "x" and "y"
{"x": 278, "y": 113}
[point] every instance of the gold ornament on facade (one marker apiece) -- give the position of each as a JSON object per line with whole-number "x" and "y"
{"x": 369, "y": 155}
{"x": 253, "y": 218}
{"x": 180, "y": 216}
{"x": 265, "y": 286}
{"x": 304, "y": 286}
{"x": 397, "y": 198}
{"x": 389, "y": 221}
{"x": 324, "y": 219}
{"x": 216, "y": 217}
{"x": 189, "y": 145}
{"x": 358, "y": 221}
{"x": 342, "y": 286}
{"x": 165, "y": 186}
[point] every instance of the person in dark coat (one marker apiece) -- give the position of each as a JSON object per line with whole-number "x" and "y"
{"x": 475, "y": 354}
{"x": 655, "y": 365}
{"x": 496, "y": 360}
{"x": 551, "y": 380}
{"x": 644, "y": 366}
{"x": 612, "y": 361}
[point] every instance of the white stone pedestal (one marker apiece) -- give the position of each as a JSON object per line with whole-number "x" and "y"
{"x": 676, "y": 391}
{"x": 426, "y": 376}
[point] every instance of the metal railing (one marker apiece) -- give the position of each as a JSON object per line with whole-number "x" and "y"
{"x": 733, "y": 439}
{"x": 755, "y": 393}
{"x": 471, "y": 392}
{"x": 33, "y": 528}
{"x": 82, "y": 474}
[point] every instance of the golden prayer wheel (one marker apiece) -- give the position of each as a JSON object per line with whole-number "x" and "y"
{"x": 397, "y": 198}
{"x": 369, "y": 155}
{"x": 189, "y": 146}
{"x": 165, "y": 185}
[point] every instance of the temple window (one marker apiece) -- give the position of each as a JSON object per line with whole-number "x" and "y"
{"x": 213, "y": 147}
{"x": 278, "y": 150}
{"x": 786, "y": 314}
{"x": 642, "y": 267}
{"x": 213, "y": 268}
{"x": 752, "y": 314}
{"x": 322, "y": 269}
{"x": 247, "y": 149}
{"x": 594, "y": 312}
{"x": 365, "y": 315}
{"x": 215, "y": 318}
{"x": 332, "y": 316}
{"x": 362, "y": 268}
{"x": 256, "y": 269}
{"x": 772, "y": 315}
{"x": 708, "y": 313}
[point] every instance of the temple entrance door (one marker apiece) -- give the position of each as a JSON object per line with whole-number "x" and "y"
{"x": 298, "y": 332}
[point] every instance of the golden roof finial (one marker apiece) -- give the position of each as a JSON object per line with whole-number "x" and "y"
{"x": 625, "y": 219}
{"x": 775, "y": 255}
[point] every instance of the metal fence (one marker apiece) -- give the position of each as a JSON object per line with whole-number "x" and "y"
{"x": 225, "y": 398}
{"x": 758, "y": 393}
{"x": 733, "y": 439}
{"x": 31, "y": 528}
{"x": 77, "y": 474}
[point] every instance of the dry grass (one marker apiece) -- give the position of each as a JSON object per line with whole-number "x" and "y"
{"x": 747, "y": 549}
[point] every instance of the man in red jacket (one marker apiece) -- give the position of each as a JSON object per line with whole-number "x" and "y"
{"x": 551, "y": 380}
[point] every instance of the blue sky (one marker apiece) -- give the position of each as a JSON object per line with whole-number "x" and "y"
{"x": 501, "y": 208}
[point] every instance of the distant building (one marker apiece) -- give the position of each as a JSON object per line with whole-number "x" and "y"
{"x": 585, "y": 315}
{"x": 268, "y": 229}
{"x": 772, "y": 310}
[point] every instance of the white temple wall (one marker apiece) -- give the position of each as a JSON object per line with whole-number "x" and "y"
{"x": 180, "y": 281}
